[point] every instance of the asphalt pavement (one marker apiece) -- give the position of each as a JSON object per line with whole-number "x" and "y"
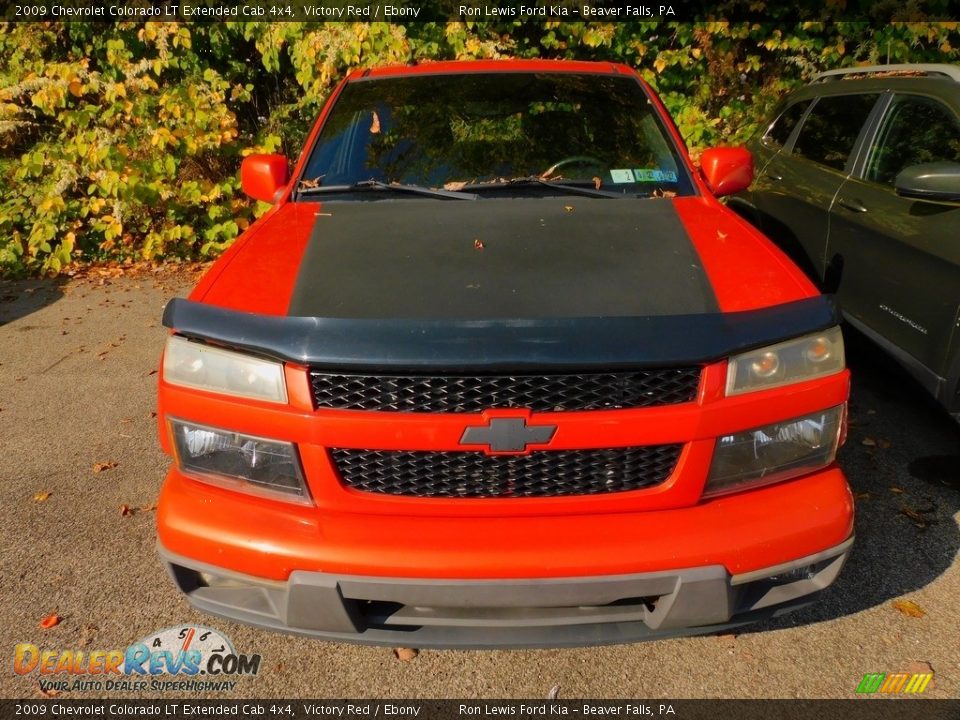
{"x": 78, "y": 444}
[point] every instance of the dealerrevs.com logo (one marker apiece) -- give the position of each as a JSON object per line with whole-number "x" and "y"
{"x": 200, "y": 658}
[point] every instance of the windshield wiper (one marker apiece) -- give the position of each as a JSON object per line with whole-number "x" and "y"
{"x": 379, "y": 185}
{"x": 537, "y": 180}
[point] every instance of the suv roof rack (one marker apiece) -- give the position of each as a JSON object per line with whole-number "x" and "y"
{"x": 902, "y": 70}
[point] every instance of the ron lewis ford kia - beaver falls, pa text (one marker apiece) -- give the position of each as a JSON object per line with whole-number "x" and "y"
{"x": 497, "y": 369}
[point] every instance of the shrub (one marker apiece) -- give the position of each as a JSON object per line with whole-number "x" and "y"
{"x": 122, "y": 141}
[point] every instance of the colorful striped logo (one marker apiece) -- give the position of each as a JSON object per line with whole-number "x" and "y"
{"x": 903, "y": 682}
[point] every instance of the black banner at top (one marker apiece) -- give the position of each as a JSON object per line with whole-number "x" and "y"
{"x": 473, "y": 10}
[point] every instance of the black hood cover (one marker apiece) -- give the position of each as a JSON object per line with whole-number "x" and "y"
{"x": 500, "y": 258}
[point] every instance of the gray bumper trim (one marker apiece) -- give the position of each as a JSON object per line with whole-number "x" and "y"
{"x": 551, "y": 612}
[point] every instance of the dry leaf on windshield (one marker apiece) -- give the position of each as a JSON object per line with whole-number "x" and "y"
{"x": 597, "y": 182}
{"x": 909, "y": 608}
{"x": 50, "y": 621}
{"x": 405, "y": 654}
{"x": 104, "y": 466}
{"x": 455, "y": 186}
{"x": 42, "y": 496}
{"x": 375, "y": 124}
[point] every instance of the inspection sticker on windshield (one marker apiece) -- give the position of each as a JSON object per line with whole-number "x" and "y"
{"x": 622, "y": 176}
{"x": 654, "y": 175}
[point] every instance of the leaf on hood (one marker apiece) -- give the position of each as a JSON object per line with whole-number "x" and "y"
{"x": 455, "y": 185}
{"x": 909, "y": 608}
{"x": 104, "y": 466}
{"x": 42, "y": 496}
{"x": 51, "y": 620}
{"x": 405, "y": 654}
{"x": 597, "y": 182}
{"x": 568, "y": 208}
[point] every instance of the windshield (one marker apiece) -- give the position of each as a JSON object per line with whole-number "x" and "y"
{"x": 470, "y": 130}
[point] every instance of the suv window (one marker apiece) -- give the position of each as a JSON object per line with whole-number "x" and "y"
{"x": 780, "y": 131}
{"x": 916, "y": 130}
{"x": 831, "y": 128}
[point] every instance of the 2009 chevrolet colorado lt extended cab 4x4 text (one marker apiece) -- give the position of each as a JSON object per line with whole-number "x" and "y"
{"x": 497, "y": 369}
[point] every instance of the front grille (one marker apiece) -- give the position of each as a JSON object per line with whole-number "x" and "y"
{"x": 475, "y": 393}
{"x": 547, "y": 473}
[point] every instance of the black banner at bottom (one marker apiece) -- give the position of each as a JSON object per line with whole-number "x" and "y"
{"x": 858, "y": 709}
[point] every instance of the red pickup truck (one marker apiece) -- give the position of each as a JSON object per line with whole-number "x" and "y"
{"x": 498, "y": 370}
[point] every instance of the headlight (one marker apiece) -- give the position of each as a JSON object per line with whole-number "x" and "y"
{"x": 240, "y": 462}
{"x": 775, "y": 452}
{"x": 804, "y": 358}
{"x": 204, "y": 367}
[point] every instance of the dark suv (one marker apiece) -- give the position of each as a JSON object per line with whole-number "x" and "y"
{"x": 859, "y": 181}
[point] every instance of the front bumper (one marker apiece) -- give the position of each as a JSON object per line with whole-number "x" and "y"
{"x": 543, "y": 612}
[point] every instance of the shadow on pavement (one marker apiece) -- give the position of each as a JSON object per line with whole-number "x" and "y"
{"x": 19, "y": 298}
{"x": 902, "y": 459}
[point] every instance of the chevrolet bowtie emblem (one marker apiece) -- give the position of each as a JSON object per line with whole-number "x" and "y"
{"x": 507, "y": 434}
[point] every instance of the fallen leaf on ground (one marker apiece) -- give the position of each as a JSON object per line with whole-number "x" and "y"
{"x": 50, "y": 621}
{"x": 918, "y": 519}
{"x": 554, "y": 692}
{"x": 46, "y": 693}
{"x": 103, "y": 466}
{"x": 478, "y": 244}
{"x": 922, "y": 667}
{"x": 405, "y": 654}
{"x": 568, "y": 208}
{"x": 895, "y": 489}
{"x": 88, "y": 634}
{"x": 149, "y": 508}
{"x": 126, "y": 510}
{"x": 42, "y": 496}
{"x": 862, "y": 496}
{"x": 869, "y": 442}
{"x": 910, "y": 608}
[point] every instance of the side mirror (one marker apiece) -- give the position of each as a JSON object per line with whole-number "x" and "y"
{"x": 936, "y": 182}
{"x": 727, "y": 170}
{"x": 261, "y": 176}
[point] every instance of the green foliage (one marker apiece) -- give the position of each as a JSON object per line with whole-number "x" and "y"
{"x": 123, "y": 141}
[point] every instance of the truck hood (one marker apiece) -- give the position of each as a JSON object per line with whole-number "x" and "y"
{"x": 510, "y": 258}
